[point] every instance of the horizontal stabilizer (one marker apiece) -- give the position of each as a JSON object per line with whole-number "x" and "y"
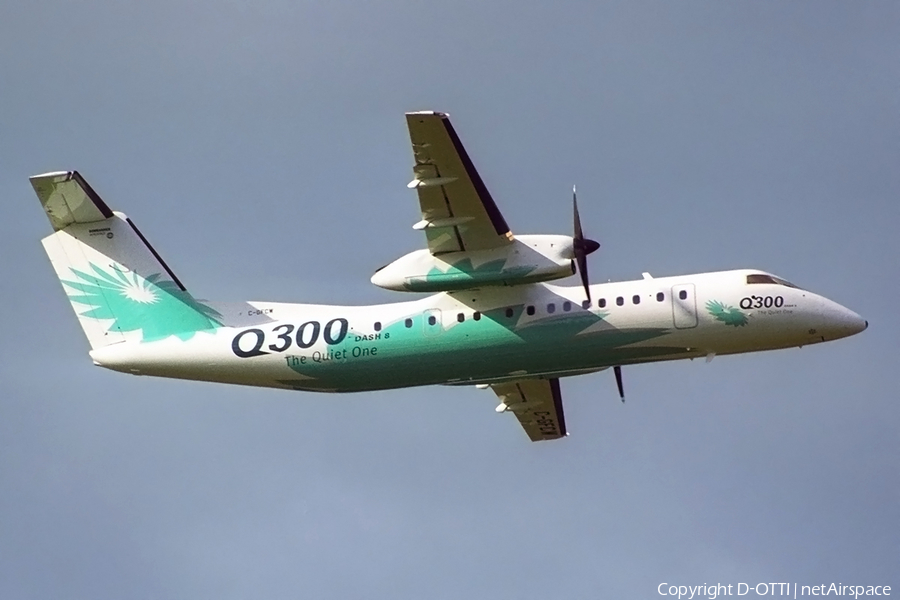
{"x": 67, "y": 198}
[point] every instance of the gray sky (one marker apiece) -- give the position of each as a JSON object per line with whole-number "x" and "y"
{"x": 263, "y": 150}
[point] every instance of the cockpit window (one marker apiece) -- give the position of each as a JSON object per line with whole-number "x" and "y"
{"x": 761, "y": 278}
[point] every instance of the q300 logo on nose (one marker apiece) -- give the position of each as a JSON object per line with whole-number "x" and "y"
{"x": 762, "y": 302}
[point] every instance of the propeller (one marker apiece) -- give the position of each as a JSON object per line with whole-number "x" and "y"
{"x": 581, "y": 247}
{"x": 618, "y": 371}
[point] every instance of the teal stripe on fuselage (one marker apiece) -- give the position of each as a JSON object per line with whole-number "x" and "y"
{"x": 493, "y": 347}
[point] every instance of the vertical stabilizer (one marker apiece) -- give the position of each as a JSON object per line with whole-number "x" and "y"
{"x": 118, "y": 285}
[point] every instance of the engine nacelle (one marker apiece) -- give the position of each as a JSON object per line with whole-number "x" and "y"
{"x": 528, "y": 259}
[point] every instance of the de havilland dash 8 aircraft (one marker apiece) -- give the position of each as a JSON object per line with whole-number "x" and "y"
{"x": 492, "y": 320}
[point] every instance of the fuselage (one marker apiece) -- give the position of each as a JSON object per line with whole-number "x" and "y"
{"x": 491, "y": 334}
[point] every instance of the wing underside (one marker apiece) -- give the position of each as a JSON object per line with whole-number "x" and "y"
{"x": 537, "y": 404}
{"x": 458, "y": 212}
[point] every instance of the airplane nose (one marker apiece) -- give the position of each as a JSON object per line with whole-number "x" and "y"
{"x": 858, "y": 323}
{"x": 838, "y": 321}
{"x": 850, "y": 323}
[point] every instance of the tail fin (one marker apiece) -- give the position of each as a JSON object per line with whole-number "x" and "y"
{"x": 118, "y": 285}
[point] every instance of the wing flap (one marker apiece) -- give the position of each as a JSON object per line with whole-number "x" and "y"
{"x": 537, "y": 404}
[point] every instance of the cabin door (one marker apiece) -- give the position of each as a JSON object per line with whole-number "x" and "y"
{"x": 684, "y": 306}
{"x": 432, "y": 322}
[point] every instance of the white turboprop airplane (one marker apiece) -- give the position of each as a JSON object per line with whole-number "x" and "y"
{"x": 492, "y": 321}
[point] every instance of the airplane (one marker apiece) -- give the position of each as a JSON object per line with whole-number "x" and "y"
{"x": 492, "y": 320}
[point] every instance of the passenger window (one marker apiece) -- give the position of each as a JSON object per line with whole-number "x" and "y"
{"x": 636, "y": 299}
{"x": 377, "y": 325}
{"x": 530, "y": 310}
{"x": 460, "y": 317}
{"x": 683, "y": 294}
{"x": 660, "y": 297}
{"x": 551, "y": 308}
{"x": 586, "y": 304}
{"x": 476, "y": 316}
{"x": 509, "y": 312}
{"x": 620, "y": 301}
{"x": 601, "y": 303}
{"x": 567, "y": 306}
{"x": 408, "y": 323}
{"x": 432, "y": 320}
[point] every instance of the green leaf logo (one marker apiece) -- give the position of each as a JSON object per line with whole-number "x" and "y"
{"x": 158, "y": 308}
{"x": 727, "y": 314}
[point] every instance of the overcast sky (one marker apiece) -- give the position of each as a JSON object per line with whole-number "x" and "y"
{"x": 262, "y": 148}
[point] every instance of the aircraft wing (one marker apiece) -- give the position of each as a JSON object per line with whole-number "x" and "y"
{"x": 458, "y": 212}
{"x": 537, "y": 403}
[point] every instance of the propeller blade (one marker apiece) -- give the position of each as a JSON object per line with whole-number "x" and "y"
{"x": 618, "y": 371}
{"x": 577, "y": 227}
{"x": 581, "y": 261}
{"x": 581, "y": 246}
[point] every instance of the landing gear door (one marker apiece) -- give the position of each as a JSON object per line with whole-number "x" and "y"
{"x": 432, "y": 322}
{"x": 684, "y": 306}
